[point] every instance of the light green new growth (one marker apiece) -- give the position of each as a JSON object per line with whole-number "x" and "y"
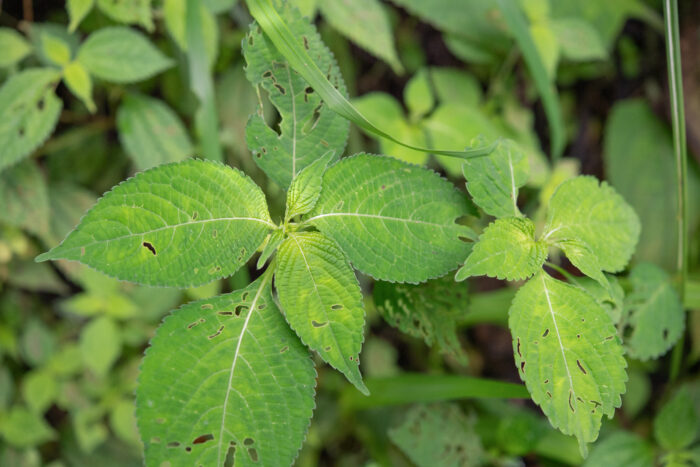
{"x": 429, "y": 311}
{"x": 30, "y": 110}
{"x": 273, "y": 241}
{"x": 596, "y": 216}
{"x": 439, "y": 435}
{"x": 507, "y": 250}
{"x": 584, "y": 259}
{"x": 494, "y": 181}
{"x": 308, "y": 128}
{"x": 151, "y": 133}
{"x": 569, "y": 355}
{"x": 225, "y": 380}
{"x": 78, "y": 80}
{"x": 128, "y": 11}
{"x": 178, "y": 225}
{"x": 121, "y": 55}
{"x": 306, "y": 187}
{"x": 395, "y": 221}
{"x": 653, "y": 311}
{"x": 321, "y": 299}
{"x": 77, "y": 11}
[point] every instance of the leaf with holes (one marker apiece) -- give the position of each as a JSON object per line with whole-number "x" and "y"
{"x": 568, "y": 353}
{"x": 25, "y": 199}
{"x": 594, "y": 215}
{"x": 30, "y": 110}
{"x": 507, "y": 250}
{"x": 439, "y": 434}
{"x": 321, "y": 299}
{"x": 306, "y": 187}
{"x": 429, "y": 311}
{"x": 395, "y": 221}
{"x": 494, "y": 180}
{"x": 225, "y": 382}
{"x": 121, "y": 55}
{"x": 308, "y": 128}
{"x": 654, "y": 313}
{"x": 177, "y": 225}
{"x": 151, "y": 132}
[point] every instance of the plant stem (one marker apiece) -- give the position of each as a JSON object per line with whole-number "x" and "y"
{"x": 675, "y": 81}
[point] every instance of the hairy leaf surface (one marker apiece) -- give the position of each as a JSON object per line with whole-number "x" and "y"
{"x": 568, "y": 353}
{"x": 30, "y": 110}
{"x": 225, "y": 378}
{"x": 322, "y": 301}
{"x": 429, "y": 311}
{"x": 151, "y": 132}
{"x": 507, "y": 250}
{"x": 394, "y": 220}
{"x": 493, "y": 181}
{"x": 654, "y": 311}
{"x": 178, "y": 225}
{"x": 596, "y": 216}
{"x": 306, "y": 188}
{"x": 308, "y": 128}
{"x": 121, "y": 55}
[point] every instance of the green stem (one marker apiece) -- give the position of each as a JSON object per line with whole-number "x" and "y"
{"x": 675, "y": 81}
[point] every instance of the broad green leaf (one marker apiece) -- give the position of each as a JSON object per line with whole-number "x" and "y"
{"x": 100, "y": 345}
{"x": 494, "y": 181}
{"x": 30, "y": 111}
{"x": 128, "y": 11}
{"x": 39, "y": 390}
{"x": 175, "y": 15}
{"x": 219, "y": 6}
{"x": 23, "y": 428}
{"x": 606, "y": 17}
{"x": 536, "y": 10}
{"x": 55, "y": 49}
{"x": 225, "y": 379}
{"x": 654, "y": 313}
{"x": 608, "y": 294}
{"x": 151, "y": 132}
{"x": 568, "y": 353}
{"x": 321, "y": 299}
{"x": 14, "y": 47}
{"x": 177, "y": 225}
{"x": 308, "y": 128}
{"x": 621, "y": 448}
{"x": 418, "y": 95}
{"x": 578, "y": 40}
{"x": 395, "y": 221}
{"x": 79, "y": 82}
{"x": 507, "y": 250}
{"x": 306, "y": 187}
{"x": 274, "y": 240}
{"x": 121, "y": 55}
{"x": 453, "y": 84}
{"x": 122, "y": 419}
{"x": 36, "y": 277}
{"x": 77, "y": 11}
{"x": 439, "y": 434}
{"x": 593, "y": 214}
{"x": 430, "y": 311}
{"x": 676, "y": 425}
{"x": 366, "y": 23}
{"x": 25, "y": 200}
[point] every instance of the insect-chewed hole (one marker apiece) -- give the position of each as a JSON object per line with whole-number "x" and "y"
{"x": 545, "y": 333}
{"x": 336, "y": 307}
{"x": 195, "y": 215}
{"x": 522, "y": 366}
{"x": 580, "y": 367}
{"x": 244, "y": 296}
{"x": 665, "y": 334}
{"x": 217, "y": 333}
{"x": 253, "y": 454}
{"x": 155, "y": 440}
{"x": 306, "y": 42}
{"x": 328, "y": 348}
{"x": 248, "y": 442}
{"x": 284, "y": 349}
{"x": 214, "y": 270}
{"x": 207, "y": 306}
{"x": 201, "y": 439}
{"x": 230, "y": 454}
{"x": 280, "y": 88}
{"x": 571, "y": 405}
{"x": 214, "y": 233}
{"x": 518, "y": 349}
{"x": 225, "y": 313}
{"x": 316, "y": 324}
{"x": 173, "y": 444}
{"x": 240, "y": 309}
{"x": 150, "y": 247}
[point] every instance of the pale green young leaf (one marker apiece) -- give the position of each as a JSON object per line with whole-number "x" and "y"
{"x": 175, "y": 14}
{"x": 676, "y": 425}
{"x": 179, "y": 225}
{"x": 395, "y": 221}
{"x": 274, "y": 240}
{"x": 39, "y": 390}
{"x": 568, "y": 353}
{"x": 578, "y": 40}
{"x": 128, "y": 11}
{"x": 14, "y": 47}
{"x": 366, "y": 23}
{"x": 439, "y": 434}
{"x": 121, "y": 55}
{"x": 507, "y": 249}
{"x": 494, "y": 181}
{"x": 23, "y": 428}
{"x": 79, "y": 82}
{"x": 621, "y": 448}
{"x": 429, "y": 311}
{"x": 77, "y": 11}
{"x": 594, "y": 215}
{"x": 654, "y": 313}
{"x": 453, "y": 84}
{"x": 308, "y": 128}
{"x": 100, "y": 345}
{"x": 55, "y": 49}
{"x": 306, "y": 187}
{"x": 151, "y": 133}
{"x": 418, "y": 95}
{"x": 30, "y": 111}
{"x": 584, "y": 259}
{"x": 548, "y": 48}
{"x": 25, "y": 199}
{"x": 225, "y": 377}
{"x": 321, "y": 299}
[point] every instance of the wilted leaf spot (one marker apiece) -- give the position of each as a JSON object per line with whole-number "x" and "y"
{"x": 214, "y": 233}
{"x": 316, "y": 324}
{"x": 160, "y": 420}
{"x": 214, "y": 270}
{"x": 150, "y": 247}
{"x": 328, "y": 349}
{"x": 173, "y": 444}
{"x": 580, "y": 367}
{"x": 155, "y": 440}
{"x": 217, "y": 333}
{"x": 203, "y": 438}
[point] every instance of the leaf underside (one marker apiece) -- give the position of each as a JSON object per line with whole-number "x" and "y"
{"x": 178, "y": 225}
{"x": 225, "y": 379}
